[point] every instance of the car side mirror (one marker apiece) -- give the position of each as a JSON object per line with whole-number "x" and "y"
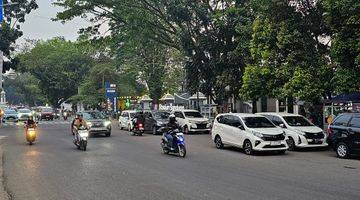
{"x": 282, "y": 126}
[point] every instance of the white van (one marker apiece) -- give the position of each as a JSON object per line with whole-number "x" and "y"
{"x": 250, "y": 132}
{"x": 125, "y": 119}
{"x": 301, "y": 132}
{"x": 192, "y": 121}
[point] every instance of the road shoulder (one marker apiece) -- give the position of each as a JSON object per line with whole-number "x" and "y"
{"x": 3, "y": 194}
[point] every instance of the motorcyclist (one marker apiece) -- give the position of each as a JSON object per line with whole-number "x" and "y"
{"x": 171, "y": 126}
{"x": 139, "y": 118}
{"x": 30, "y": 122}
{"x": 77, "y": 123}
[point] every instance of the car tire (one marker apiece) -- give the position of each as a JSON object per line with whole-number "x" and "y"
{"x": 291, "y": 144}
{"x": 218, "y": 142}
{"x": 108, "y": 134}
{"x": 342, "y": 150}
{"x": 248, "y": 147}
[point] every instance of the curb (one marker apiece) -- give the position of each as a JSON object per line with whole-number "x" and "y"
{"x": 3, "y": 194}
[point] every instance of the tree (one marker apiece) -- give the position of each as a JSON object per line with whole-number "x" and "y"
{"x": 14, "y": 13}
{"x": 343, "y": 17}
{"x": 23, "y": 89}
{"x": 59, "y": 65}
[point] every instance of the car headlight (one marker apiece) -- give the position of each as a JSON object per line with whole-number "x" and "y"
{"x": 193, "y": 125}
{"x": 257, "y": 134}
{"x": 208, "y": 125}
{"x": 107, "y": 123}
{"x": 89, "y": 124}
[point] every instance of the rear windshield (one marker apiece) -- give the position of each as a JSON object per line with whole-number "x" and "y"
{"x": 24, "y": 111}
{"x": 47, "y": 110}
{"x": 258, "y": 122}
{"x": 193, "y": 114}
{"x": 93, "y": 115}
{"x": 161, "y": 115}
{"x": 297, "y": 121}
{"x": 10, "y": 112}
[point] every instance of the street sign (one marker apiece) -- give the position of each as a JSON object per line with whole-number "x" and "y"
{"x": 111, "y": 95}
{"x": 1, "y": 11}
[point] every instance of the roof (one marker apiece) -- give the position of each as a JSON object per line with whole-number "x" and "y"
{"x": 282, "y": 114}
{"x": 195, "y": 96}
{"x": 145, "y": 98}
{"x": 167, "y": 97}
{"x": 354, "y": 97}
{"x": 241, "y": 114}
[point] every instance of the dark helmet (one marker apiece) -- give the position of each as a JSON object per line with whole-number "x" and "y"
{"x": 172, "y": 118}
{"x": 78, "y": 115}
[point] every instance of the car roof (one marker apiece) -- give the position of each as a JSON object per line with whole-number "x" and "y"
{"x": 281, "y": 114}
{"x": 241, "y": 114}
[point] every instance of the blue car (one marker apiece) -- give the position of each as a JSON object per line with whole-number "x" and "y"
{"x": 10, "y": 115}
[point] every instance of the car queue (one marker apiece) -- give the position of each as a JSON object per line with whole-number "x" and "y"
{"x": 260, "y": 132}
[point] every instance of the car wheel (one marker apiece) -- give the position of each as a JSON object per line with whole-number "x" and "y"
{"x": 291, "y": 144}
{"x": 218, "y": 142}
{"x": 248, "y": 147}
{"x": 108, "y": 134}
{"x": 342, "y": 150}
{"x": 282, "y": 152}
{"x": 154, "y": 130}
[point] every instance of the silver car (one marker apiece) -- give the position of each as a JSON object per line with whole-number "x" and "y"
{"x": 98, "y": 123}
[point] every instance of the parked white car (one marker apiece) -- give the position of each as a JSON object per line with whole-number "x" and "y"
{"x": 250, "y": 132}
{"x": 192, "y": 121}
{"x": 300, "y": 131}
{"x": 125, "y": 119}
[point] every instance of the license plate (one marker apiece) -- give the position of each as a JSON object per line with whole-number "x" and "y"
{"x": 275, "y": 143}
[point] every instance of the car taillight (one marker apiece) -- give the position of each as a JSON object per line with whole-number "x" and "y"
{"x": 140, "y": 125}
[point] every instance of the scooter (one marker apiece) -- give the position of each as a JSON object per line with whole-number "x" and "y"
{"x": 30, "y": 134}
{"x": 65, "y": 115}
{"x": 178, "y": 146}
{"x": 138, "y": 129}
{"x": 81, "y": 138}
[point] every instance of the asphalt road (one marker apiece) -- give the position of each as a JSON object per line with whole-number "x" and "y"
{"x": 132, "y": 167}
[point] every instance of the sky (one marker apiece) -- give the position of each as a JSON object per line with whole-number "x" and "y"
{"x": 38, "y": 24}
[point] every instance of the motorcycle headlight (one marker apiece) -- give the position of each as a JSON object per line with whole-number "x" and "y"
{"x": 83, "y": 133}
{"x": 107, "y": 123}
{"x": 257, "y": 134}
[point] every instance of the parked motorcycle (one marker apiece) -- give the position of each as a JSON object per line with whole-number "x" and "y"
{"x": 178, "y": 146}
{"x": 30, "y": 134}
{"x": 81, "y": 138}
{"x": 138, "y": 129}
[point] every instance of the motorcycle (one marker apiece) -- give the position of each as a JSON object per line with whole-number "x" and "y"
{"x": 65, "y": 115}
{"x": 138, "y": 129}
{"x": 178, "y": 146}
{"x": 30, "y": 134}
{"x": 81, "y": 138}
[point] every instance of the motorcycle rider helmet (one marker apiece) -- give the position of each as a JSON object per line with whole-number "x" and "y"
{"x": 172, "y": 118}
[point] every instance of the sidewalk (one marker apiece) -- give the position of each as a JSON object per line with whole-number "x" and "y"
{"x": 3, "y": 193}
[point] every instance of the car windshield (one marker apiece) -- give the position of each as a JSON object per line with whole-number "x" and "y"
{"x": 47, "y": 110}
{"x": 297, "y": 121}
{"x": 161, "y": 115}
{"x": 93, "y": 115}
{"x": 10, "y": 112}
{"x": 193, "y": 114}
{"x": 24, "y": 111}
{"x": 258, "y": 122}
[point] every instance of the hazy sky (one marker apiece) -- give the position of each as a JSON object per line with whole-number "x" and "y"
{"x": 38, "y": 24}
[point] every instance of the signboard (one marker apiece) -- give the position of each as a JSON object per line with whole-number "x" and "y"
{"x": 111, "y": 95}
{"x": 1, "y": 11}
{"x": 171, "y": 108}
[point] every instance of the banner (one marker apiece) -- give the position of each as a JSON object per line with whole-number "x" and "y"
{"x": 1, "y": 11}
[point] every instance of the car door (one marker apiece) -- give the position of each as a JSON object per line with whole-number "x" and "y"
{"x": 149, "y": 121}
{"x": 354, "y": 132}
{"x": 236, "y": 133}
{"x": 340, "y": 127}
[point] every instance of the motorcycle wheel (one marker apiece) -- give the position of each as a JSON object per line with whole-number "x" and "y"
{"x": 182, "y": 151}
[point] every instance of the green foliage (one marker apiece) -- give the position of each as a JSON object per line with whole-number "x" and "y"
{"x": 59, "y": 65}
{"x": 23, "y": 89}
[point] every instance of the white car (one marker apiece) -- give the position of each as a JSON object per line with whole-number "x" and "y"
{"x": 24, "y": 114}
{"x": 250, "y": 132}
{"x": 192, "y": 121}
{"x": 300, "y": 131}
{"x": 125, "y": 119}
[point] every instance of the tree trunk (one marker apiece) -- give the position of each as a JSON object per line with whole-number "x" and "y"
{"x": 254, "y": 106}
{"x": 290, "y": 104}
